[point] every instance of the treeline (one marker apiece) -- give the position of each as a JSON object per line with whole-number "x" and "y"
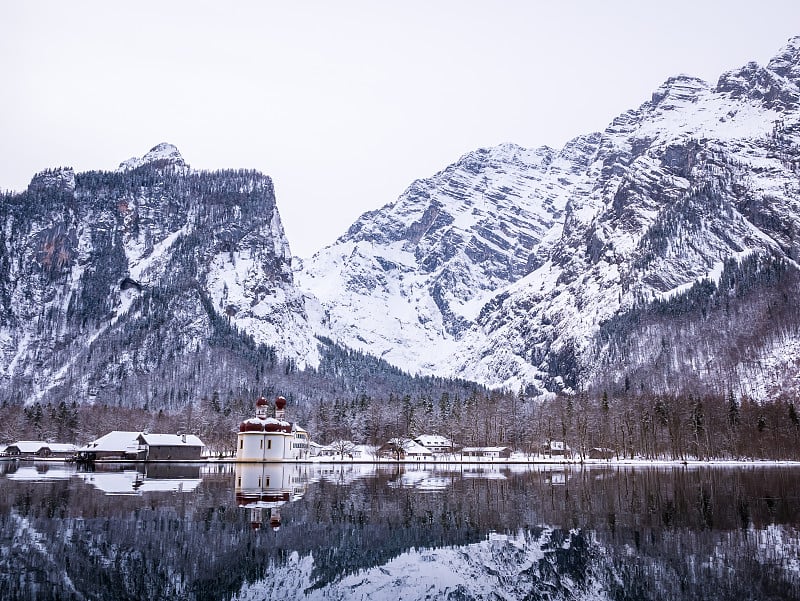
{"x": 647, "y": 426}
{"x": 710, "y": 337}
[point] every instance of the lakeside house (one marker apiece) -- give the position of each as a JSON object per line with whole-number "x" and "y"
{"x": 315, "y": 449}
{"x": 556, "y": 448}
{"x": 39, "y": 449}
{"x": 601, "y": 453}
{"x": 435, "y": 443}
{"x": 117, "y": 444}
{"x": 341, "y": 448}
{"x": 404, "y": 448}
{"x": 487, "y": 452}
{"x": 171, "y": 447}
{"x": 142, "y": 446}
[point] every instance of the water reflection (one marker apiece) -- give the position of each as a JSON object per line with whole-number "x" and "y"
{"x": 114, "y": 479}
{"x": 266, "y": 486}
{"x": 359, "y": 532}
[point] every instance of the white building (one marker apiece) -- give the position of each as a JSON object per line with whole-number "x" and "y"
{"x": 264, "y": 488}
{"x": 492, "y": 452}
{"x": 435, "y": 443}
{"x": 404, "y": 448}
{"x": 263, "y": 438}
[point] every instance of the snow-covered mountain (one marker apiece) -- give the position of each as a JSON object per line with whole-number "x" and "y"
{"x": 660, "y": 253}
{"x": 500, "y": 567}
{"x": 145, "y": 275}
{"x": 407, "y": 282}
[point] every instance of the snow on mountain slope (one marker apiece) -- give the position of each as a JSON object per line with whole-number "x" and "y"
{"x": 501, "y": 567}
{"x": 541, "y": 268}
{"x": 407, "y": 281}
{"x": 108, "y": 276}
{"x": 693, "y": 178}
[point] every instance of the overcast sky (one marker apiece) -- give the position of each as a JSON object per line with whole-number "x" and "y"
{"x": 344, "y": 103}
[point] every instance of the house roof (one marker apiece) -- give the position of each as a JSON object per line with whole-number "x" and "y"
{"x": 410, "y": 447}
{"x": 124, "y": 441}
{"x": 117, "y": 440}
{"x": 433, "y": 440}
{"x": 58, "y": 447}
{"x": 32, "y": 446}
{"x": 171, "y": 440}
{"x": 484, "y": 449}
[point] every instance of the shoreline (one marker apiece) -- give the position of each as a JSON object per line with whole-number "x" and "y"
{"x": 433, "y": 463}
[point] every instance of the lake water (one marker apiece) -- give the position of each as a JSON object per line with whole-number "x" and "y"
{"x": 398, "y": 533}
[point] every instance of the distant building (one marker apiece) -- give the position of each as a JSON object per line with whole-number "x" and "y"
{"x": 265, "y": 438}
{"x": 40, "y": 449}
{"x": 171, "y": 447}
{"x": 404, "y": 448}
{"x": 491, "y": 452}
{"x": 117, "y": 444}
{"x": 435, "y": 443}
{"x": 556, "y": 448}
{"x": 340, "y": 448}
{"x": 601, "y": 453}
{"x": 142, "y": 446}
{"x": 315, "y": 449}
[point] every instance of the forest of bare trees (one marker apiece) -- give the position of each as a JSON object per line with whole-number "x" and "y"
{"x": 646, "y": 426}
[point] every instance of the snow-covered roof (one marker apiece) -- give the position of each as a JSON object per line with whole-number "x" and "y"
{"x": 268, "y": 420}
{"x": 28, "y": 446}
{"x": 58, "y": 447}
{"x": 33, "y": 446}
{"x": 410, "y": 447}
{"x": 117, "y": 440}
{"x": 171, "y": 440}
{"x": 484, "y": 449}
{"x": 433, "y": 440}
{"x": 131, "y": 482}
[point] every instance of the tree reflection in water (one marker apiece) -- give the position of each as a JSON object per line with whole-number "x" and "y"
{"x": 350, "y": 531}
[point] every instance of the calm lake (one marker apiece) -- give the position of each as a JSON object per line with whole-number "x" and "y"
{"x": 352, "y": 531}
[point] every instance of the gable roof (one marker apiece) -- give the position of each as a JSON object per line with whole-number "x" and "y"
{"x": 409, "y": 446}
{"x": 433, "y": 440}
{"x": 118, "y": 440}
{"x": 33, "y": 446}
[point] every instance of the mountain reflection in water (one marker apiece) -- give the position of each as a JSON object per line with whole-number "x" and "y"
{"x": 349, "y": 531}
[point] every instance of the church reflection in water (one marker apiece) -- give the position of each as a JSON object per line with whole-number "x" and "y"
{"x": 262, "y": 488}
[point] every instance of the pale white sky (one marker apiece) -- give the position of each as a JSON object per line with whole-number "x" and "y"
{"x": 344, "y": 103}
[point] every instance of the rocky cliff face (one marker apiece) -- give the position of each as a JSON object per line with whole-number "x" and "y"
{"x": 407, "y": 281}
{"x": 660, "y": 253}
{"x": 142, "y": 275}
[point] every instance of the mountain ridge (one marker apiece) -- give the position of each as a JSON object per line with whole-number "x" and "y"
{"x": 657, "y": 202}
{"x": 658, "y": 255}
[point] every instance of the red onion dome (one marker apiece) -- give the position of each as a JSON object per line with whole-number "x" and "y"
{"x": 280, "y": 402}
{"x": 251, "y": 425}
{"x": 262, "y": 402}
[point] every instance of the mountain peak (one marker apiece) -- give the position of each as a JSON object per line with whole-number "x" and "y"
{"x": 60, "y": 177}
{"x": 161, "y": 154}
{"x": 787, "y": 62}
{"x": 678, "y": 90}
